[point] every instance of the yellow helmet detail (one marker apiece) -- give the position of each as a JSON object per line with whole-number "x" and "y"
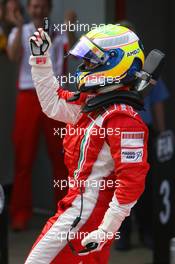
{"x": 111, "y": 55}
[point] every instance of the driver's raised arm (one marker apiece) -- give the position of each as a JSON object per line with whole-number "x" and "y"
{"x": 52, "y": 97}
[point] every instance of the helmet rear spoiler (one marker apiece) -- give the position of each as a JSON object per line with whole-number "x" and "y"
{"x": 150, "y": 73}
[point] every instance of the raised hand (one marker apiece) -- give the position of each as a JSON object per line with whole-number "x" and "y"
{"x": 40, "y": 43}
{"x": 13, "y": 14}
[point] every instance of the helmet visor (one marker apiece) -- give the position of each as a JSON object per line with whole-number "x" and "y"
{"x": 87, "y": 50}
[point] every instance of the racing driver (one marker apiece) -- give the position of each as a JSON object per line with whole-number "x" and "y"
{"x": 105, "y": 101}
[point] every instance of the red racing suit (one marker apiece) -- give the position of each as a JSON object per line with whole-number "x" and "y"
{"x": 106, "y": 149}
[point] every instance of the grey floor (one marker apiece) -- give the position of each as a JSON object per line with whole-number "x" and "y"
{"x": 20, "y": 244}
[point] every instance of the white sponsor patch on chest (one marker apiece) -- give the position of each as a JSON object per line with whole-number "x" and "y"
{"x": 131, "y": 155}
{"x": 132, "y": 139}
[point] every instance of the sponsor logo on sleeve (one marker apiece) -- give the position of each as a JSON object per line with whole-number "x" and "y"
{"x": 132, "y": 139}
{"x": 131, "y": 155}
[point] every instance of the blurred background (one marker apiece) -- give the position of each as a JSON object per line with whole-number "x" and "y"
{"x": 147, "y": 235}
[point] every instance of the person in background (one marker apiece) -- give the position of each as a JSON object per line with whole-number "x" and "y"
{"x": 3, "y": 36}
{"x": 3, "y": 226}
{"x": 30, "y": 120}
{"x": 15, "y": 6}
{"x": 154, "y": 117}
{"x": 1, "y": 10}
{"x": 1, "y": 199}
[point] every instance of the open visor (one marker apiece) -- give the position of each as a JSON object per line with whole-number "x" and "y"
{"x": 86, "y": 49}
